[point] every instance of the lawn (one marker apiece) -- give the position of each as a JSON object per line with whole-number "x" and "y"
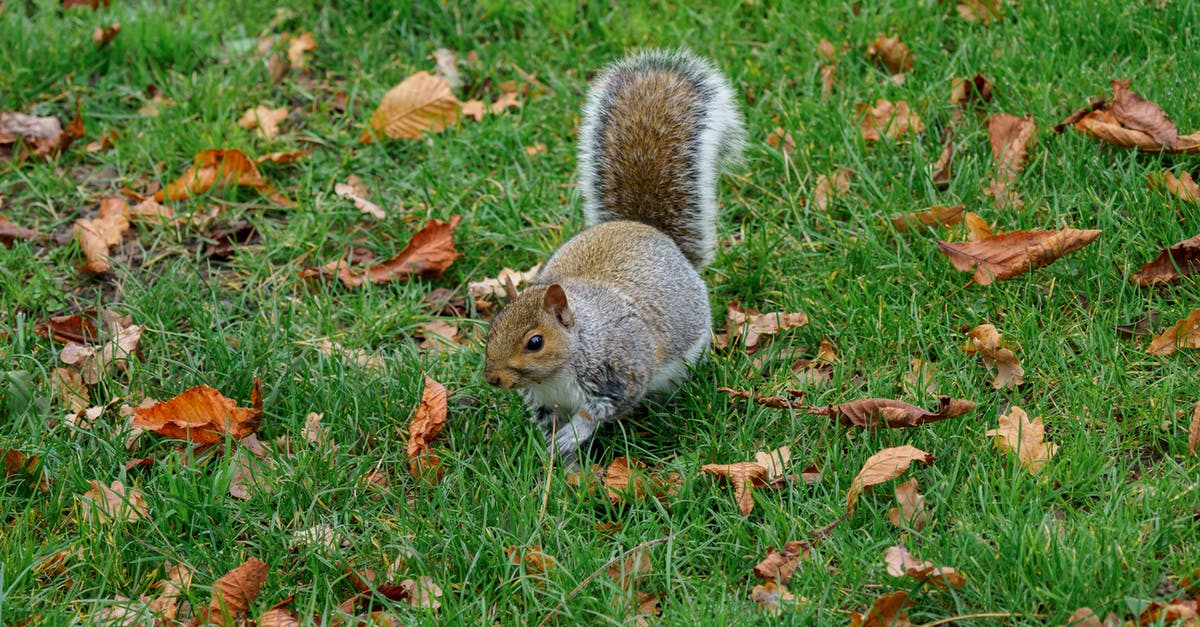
{"x": 1111, "y": 521}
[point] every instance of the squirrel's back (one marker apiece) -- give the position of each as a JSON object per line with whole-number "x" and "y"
{"x": 657, "y": 127}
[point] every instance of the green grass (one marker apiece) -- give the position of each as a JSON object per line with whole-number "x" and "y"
{"x": 1111, "y": 523}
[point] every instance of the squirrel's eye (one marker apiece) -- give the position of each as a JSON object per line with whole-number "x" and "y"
{"x": 534, "y": 343}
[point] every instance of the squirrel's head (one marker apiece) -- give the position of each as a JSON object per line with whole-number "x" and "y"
{"x": 529, "y": 339}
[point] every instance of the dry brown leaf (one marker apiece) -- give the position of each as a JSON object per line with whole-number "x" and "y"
{"x": 42, "y": 136}
{"x": 264, "y": 121}
{"x": 1185, "y": 334}
{"x": 278, "y": 617}
{"x": 97, "y": 235}
{"x": 79, "y": 329}
{"x": 313, "y": 432}
{"x": 422, "y": 592}
{"x": 985, "y": 340}
{"x": 830, "y": 186}
{"x": 10, "y": 232}
{"x": 985, "y": 11}
{"x": 872, "y": 413}
{"x": 828, "y": 79}
{"x": 170, "y": 591}
{"x": 1086, "y": 617}
{"x": 775, "y": 462}
{"x": 298, "y": 46}
{"x": 25, "y": 467}
{"x": 1103, "y": 125}
{"x": 772, "y": 597}
{"x": 943, "y": 168}
{"x": 1007, "y": 255}
{"x": 779, "y": 565}
{"x": 95, "y": 363}
{"x": 1171, "y": 264}
{"x": 69, "y": 389}
{"x": 887, "y": 611}
{"x": 421, "y": 103}
{"x": 780, "y": 139}
{"x": 427, "y": 423}
{"x": 628, "y": 478}
{"x": 911, "y": 511}
{"x": 884, "y": 466}
{"x": 892, "y": 53}
{"x": 774, "y": 402}
{"x": 109, "y": 503}
{"x": 750, "y": 326}
{"x": 977, "y": 227}
{"x": 1169, "y": 613}
{"x": 1009, "y": 136}
{"x": 1194, "y": 431}
{"x": 103, "y": 35}
{"x": 919, "y": 379}
{"x": 633, "y": 570}
{"x": 215, "y": 168}
{"x": 1017, "y": 433}
{"x": 535, "y": 560}
{"x": 485, "y": 292}
{"x": 1139, "y": 114}
{"x": 901, "y": 563}
{"x": 439, "y": 335}
{"x": 975, "y": 92}
{"x": 428, "y": 254}
{"x": 1182, "y": 187}
{"x": 359, "y": 197}
{"x": 887, "y": 119}
{"x": 281, "y": 157}
{"x": 202, "y": 415}
{"x": 233, "y": 593}
{"x": 744, "y": 476}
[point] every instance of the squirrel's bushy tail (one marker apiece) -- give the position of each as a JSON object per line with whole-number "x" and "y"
{"x": 657, "y": 128}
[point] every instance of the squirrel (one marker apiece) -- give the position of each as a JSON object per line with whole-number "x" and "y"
{"x": 620, "y": 310}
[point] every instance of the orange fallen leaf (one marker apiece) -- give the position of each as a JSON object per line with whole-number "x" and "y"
{"x": 103, "y": 35}
{"x": 780, "y": 139}
{"x": 884, "y": 466}
{"x": 171, "y": 591}
{"x": 422, "y": 102}
{"x": 985, "y": 340}
{"x": 202, "y": 415}
{"x": 627, "y": 477}
{"x": 901, "y": 563}
{"x": 427, "y": 423}
{"x": 910, "y": 512}
{"x": 1194, "y": 431}
{"x": 750, "y": 326}
{"x": 830, "y": 186}
{"x": 1171, "y": 264}
{"x": 933, "y": 216}
{"x": 94, "y": 363}
{"x": 1086, "y": 617}
{"x": 1027, "y": 438}
{"x": 42, "y": 136}
{"x": 215, "y": 168}
{"x": 887, "y": 611}
{"x": 744, "y": 476}
{"x": 281, "y": 157}
{"x": 977, "y": 227}
{"x": 780, "y": 565}
{"x": 976, "y": 91}
{"x": 872, "y": 413}
{"x": 70, "y": 389}
{"x": 1185, "y": 334}
{"x": 428, "y": 254}
{"x": 772, "y": 597}
{"x": 1009, "y": 136}
{"x": 774, "y": 402}
{"x": 108, "y": 503}
{"x": 298, "y": 46}
{"x": 23, "y": 466}
{"x": 1007, "y": 255}
{"x": 358, "y": 196}
{"x": 233, "y": 593}
{"x": 536, "y": 562}
{"x": 264, "y": 121}
{"x": 887, "y": 119}
{"x": 1171, "y": 612}
{"x": 97, "y": 235}
{"x": 892, "y": 53}
{"x": 1182, "y": 187}
{"x": 985, "y": 11}
{"x": 1139, "y": 114}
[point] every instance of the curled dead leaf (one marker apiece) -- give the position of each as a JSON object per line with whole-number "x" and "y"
{"x": 1009, "y": 136}
{"x": 773, "y": 597}
{"x": 41, "y": 136}
{"x": 887, "y": 611}
{"x": 359, "y": 197}
{"x": 628, "y": 478}
{"x": 10, "y": 232}
{"x": 215, "y": 168}
{"x": 428, "y": 254}
{"x": 910, "y": 512}
{"x": 830, "y": 186}
{"x": 264, "y": 121}
{"x": 774, "y": 402}
{"x": 1182, "y": 187}
{"x": 1194, "y": 431}
{"x": 1185, "y": 334}
{"x": 1007, "y": 255}
{"x": 97, "y": 235}
{"x": 887, "y": 119}
{"x": 1171, "y": 264}
{"x": 750, "y": 326}
{"x": 427, "y": 423}
{"x": 103, "y": 35}
{"x": 872, "y": 413}
{"x": 1139, "y": 114}
{"x": 1027, "y": 438}
{"x": 422, "y": 102}
{"x": 108, "y": 503}
{"x": 779, "y": 565}
{"x": 744, "y": 476}
{"x": 892, "y": 53}
{"x": 202, "y": 415}
{"x": 901, "y": 563}
{"x": 884, "y": 466}
{"x": 985, "y": 340}
{"x": 233, "y": 593}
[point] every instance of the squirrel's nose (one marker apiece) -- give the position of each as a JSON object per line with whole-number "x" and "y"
{"x": 492, "y": 378}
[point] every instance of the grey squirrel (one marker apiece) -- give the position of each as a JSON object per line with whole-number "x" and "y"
{"x": 620, "y": 309}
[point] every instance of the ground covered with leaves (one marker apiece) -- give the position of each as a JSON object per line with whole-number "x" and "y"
{"x": 249, "y": 251}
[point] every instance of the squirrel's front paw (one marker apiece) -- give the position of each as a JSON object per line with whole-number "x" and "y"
{"x": 572, "y": 435}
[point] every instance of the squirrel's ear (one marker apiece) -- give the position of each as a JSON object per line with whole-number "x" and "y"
{"x": 555, "y": 304}
{"x": 510, "y": 290}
